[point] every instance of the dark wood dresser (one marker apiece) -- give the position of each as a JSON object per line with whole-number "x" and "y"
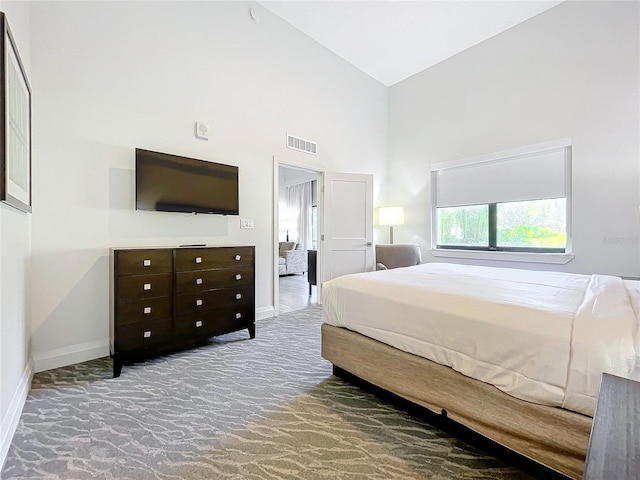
{"x": 163, "y": 299}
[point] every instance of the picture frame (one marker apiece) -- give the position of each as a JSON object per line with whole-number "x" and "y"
{"x": 15, "y": 124}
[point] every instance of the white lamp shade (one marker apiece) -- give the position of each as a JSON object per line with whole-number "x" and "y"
{"x": 390, "y": 216}
{"x": 288, "y": 225}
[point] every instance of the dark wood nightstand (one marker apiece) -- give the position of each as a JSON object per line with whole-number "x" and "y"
{"x": 614, "y": 445}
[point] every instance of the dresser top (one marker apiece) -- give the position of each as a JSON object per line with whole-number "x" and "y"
{"x": 178, "y": 247}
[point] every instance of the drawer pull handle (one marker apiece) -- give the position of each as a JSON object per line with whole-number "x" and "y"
{"x": 147, "y": 286}
{"x": 198, "y": 281}
{"x": 198, "y": 302}
{"x": 238, "y": 296}
{"x": 198, "y": 323}
{"x": 146, "y": 263}
{"x": 238, "y": 276}
{"x": 147, "y": 310}
{"x": 238, "y": 258}
{"x": 198, "y": 259}
{"x": 238, "y": 315}
{"x": 147, "y": 334}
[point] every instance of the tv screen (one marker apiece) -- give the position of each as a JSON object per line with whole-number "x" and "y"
{"x": 170, "y": 183}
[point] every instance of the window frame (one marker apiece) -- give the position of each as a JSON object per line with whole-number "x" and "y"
{"x": 526, "y": 254}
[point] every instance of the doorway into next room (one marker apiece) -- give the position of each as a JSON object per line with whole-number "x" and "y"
{"x": 298, "y": 237}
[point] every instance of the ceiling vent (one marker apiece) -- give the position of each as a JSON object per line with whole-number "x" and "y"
{"x": 302, "y": 145}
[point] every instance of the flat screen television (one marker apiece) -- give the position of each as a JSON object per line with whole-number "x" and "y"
{"x": 171, "y": 183}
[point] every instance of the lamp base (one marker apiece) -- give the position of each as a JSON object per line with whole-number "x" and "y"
{"x": 391, "y": 235}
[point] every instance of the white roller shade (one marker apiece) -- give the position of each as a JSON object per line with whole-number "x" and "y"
{"x": 532, "y": 176}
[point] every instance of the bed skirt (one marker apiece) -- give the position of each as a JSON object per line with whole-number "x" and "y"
{"x": 554, "y": 437}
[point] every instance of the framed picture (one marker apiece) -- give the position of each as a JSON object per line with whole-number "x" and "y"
{"x": 15, "y": 124}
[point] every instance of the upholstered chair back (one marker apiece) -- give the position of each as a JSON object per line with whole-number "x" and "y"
{"x": 397, "y": 255}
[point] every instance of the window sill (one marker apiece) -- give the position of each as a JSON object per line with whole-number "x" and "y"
{"x": 525, "y": 257}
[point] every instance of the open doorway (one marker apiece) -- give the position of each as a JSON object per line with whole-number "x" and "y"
{"x": 297, "y": 224}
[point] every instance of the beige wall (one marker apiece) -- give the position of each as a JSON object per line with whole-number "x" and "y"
{"x": 572, "y": 71}
{"x": 15, "y": 250}
{"x": 112, "y": 76}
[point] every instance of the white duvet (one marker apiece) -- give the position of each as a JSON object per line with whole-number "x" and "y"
{"x": 545, "y": 337}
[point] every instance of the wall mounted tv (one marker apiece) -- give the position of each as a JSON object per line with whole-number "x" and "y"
{"x": 170, "y": 183}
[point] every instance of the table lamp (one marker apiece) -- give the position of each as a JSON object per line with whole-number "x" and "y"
{"x": 390, "y": 216}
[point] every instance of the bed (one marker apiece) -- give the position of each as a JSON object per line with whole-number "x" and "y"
{"x": 515, "y": 355}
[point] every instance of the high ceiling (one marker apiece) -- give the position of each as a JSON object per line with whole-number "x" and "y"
{"x": 392, "y": 40}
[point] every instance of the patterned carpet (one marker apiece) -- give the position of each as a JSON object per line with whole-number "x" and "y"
{"x": 235, "y": 408}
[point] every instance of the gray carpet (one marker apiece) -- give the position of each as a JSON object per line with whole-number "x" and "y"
{"x": 235, "y": 408}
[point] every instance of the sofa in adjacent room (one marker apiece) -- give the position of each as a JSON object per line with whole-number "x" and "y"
{"x": 292, "y": 258}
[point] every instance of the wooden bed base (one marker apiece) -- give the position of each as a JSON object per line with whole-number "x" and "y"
{"x": 553, "y": 437}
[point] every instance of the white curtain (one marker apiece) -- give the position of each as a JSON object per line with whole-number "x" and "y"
{"x": 300, "y": 201}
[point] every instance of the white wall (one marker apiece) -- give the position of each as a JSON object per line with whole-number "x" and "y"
{"x": 15, "y": 247}
{"x": 112, "y": 76}
{"x": 572, "y": 71}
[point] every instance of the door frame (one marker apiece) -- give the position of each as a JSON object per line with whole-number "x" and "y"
{"x": 277, "y": 162}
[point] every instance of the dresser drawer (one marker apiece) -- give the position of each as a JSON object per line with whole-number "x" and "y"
{"x": 138, "y": 262}
{"x": 213, "y": 322}
{"x": 189, "y": 282}
{"x": 221, "y": 297}
{"x": 145, "y": 335}
{"x": 203, "y": 258}
{"x": 143, "y": 310}
{"x": 134, "y": 287}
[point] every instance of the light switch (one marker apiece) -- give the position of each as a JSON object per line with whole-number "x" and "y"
{"x": 246, "y": 223}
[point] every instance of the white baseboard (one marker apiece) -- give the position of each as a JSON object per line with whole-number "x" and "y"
{"x": 265, "y": 312}
{"x": 61, "y": 357}
{"x": 10, "y": 421}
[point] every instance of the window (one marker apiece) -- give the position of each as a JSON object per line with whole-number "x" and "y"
{"x": 314, "y": 227}
{"x": 515, "y": 201}
{"x": 538, "y": 224}
{"x": 466, "y": 226}
{"x": 533, "y": 226}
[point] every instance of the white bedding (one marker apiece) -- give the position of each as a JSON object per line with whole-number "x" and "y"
{"x": 545, "y": 337}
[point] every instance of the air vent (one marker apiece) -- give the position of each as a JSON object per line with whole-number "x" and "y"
{"x": 302, "y": 145}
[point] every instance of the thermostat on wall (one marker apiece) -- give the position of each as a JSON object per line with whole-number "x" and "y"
{"x": 202, "y": 130}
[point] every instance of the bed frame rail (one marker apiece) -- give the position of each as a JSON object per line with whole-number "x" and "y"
{"x": 547, "y": 442}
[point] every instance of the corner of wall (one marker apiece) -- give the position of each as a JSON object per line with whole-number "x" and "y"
{"x": 60, "y": 357}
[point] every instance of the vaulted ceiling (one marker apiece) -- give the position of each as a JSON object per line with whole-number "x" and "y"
{"x": 392, "y": 40}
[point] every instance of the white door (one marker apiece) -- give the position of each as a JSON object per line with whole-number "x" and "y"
{"x": 348, "y": 224}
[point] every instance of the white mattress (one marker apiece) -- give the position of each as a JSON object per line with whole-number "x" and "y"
{"x": 545, "y": 337}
